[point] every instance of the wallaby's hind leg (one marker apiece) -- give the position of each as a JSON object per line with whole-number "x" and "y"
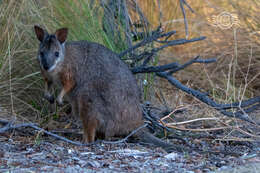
{"x": 89, "y": 130}
{"x": 90, "y": 123}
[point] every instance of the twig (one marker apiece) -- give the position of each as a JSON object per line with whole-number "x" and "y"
{"x": 154, "y": 120}
{"x": 173, "y": 67}
{"x": 183, "y": 2}
{"x": 236, "y": 139}
{"x": 169, "y": 43}
{"x": 195, "y": 60}
{"x": 154, "y": 36}
{"x": 197, "y": 130}
{"x": 172, "y": 112}
{"x": 191, "y": 121}
{"x": 185, "y": 20}
{"x": 242, "y": 131}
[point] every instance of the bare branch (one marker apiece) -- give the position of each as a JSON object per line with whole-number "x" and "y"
{"x": 150, "y": 69}
{"x": 182, "y": 3}
{"x": 125, "y": 139}
{"x": 195, "y": 60}
{"x": 170, "y": 43}
{"x": 173, "y": 67}
{"x": 240, "y": 104}
{"x": 156, "y": 34}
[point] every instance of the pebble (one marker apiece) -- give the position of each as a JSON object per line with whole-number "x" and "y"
{"x": 171, "y": 156}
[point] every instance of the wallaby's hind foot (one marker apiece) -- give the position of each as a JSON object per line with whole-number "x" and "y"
{"x": 89, "y": 121}
{"x": 89, "y": 131}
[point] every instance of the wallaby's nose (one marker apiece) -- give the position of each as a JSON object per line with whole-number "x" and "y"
{"x": 44, "y": 64}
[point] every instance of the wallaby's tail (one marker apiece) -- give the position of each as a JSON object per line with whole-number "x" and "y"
{"x": 147, "y": 137}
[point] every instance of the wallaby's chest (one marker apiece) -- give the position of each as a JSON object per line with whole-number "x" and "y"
{"x": 54, "y": 77}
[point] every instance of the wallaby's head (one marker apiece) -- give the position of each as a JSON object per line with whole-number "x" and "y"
{"x": 51, "y": 50}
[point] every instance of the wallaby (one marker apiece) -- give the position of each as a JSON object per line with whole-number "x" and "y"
{"x": 100, "y": 87}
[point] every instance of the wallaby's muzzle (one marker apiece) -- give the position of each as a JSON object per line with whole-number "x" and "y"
{"x": 45, "y": 65}
{"x": 46, "y": 61}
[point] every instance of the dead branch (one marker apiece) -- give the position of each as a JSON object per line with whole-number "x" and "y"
{"x": 198, "y": 130}
{"x": 125, "y": 139}
{"x": 173, "y": 67}
{"x": 182, "y": 3}
{"x": 157, "y": 49}
{"x": 154, "y": 36}
{"x": 195, "y": 60}
{"x": 240, "y": 114}
{"x": 169, "y": 43}
{"x": 149, "y": 69}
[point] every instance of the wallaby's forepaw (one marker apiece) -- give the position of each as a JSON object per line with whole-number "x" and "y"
{"x": 49, "y": 97}
{"x": 59, "y": 102}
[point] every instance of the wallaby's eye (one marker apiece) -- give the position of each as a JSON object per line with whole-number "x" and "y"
{"x": 41, "y": 54}
{"x": 56, "y": 54}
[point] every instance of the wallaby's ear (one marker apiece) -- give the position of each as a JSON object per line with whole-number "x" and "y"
{"x": 61, "y": 34}
{"x": 39, "y": 33}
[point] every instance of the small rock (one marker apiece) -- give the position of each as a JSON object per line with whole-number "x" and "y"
{"x": 70, "y": 151}
{"x": 86, "y": 153}
{"x": 171, "y": 156}
{"x": 82, "y": 163}
{"x": 129, "y": 152}
{"x": 93, "y": 164}
{"x": 222, "y": 162}
{"x": 111, "y": 167}
{"x": 76, "y": 158}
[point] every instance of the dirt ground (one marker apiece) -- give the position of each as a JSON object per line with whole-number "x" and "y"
{"x": 55, "y": 156}
{"x": 27, "y": 150}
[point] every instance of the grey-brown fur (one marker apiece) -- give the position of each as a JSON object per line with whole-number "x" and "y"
{"x": 105, "y": 88}
{"x": 100, "y": 87}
